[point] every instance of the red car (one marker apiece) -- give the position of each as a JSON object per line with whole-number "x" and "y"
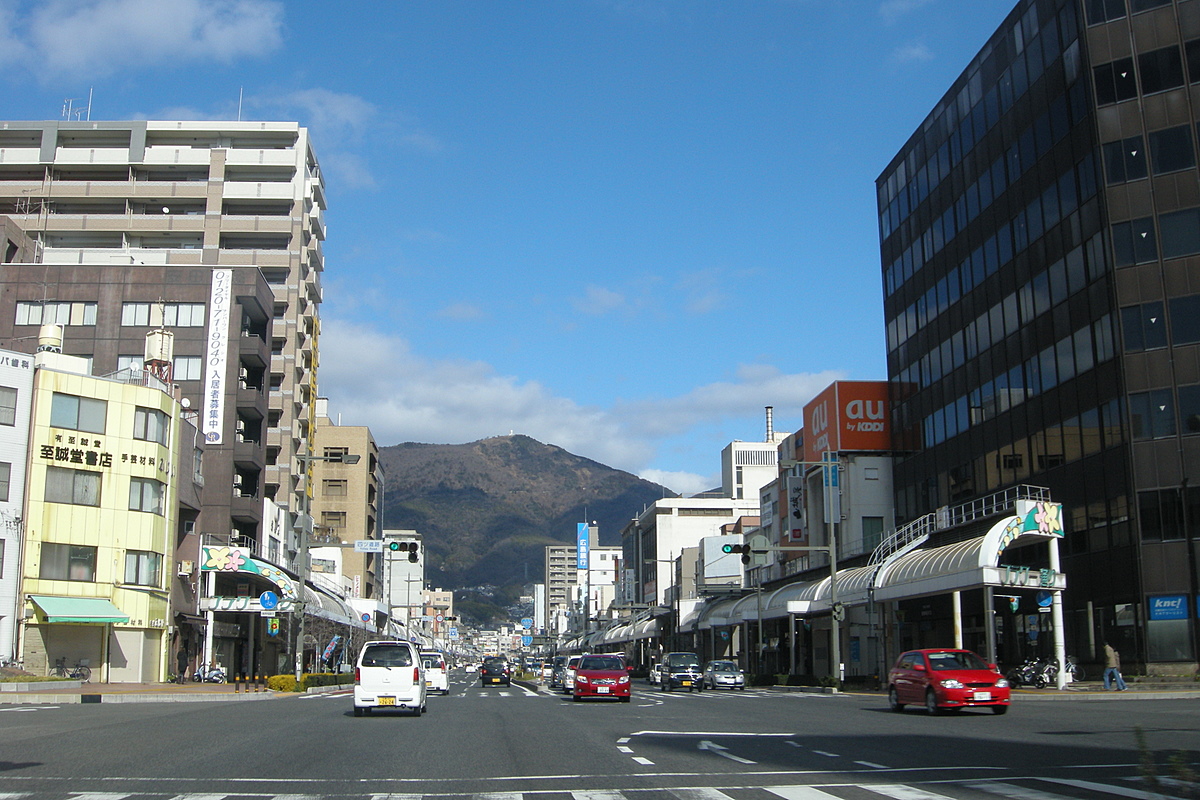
{"x": 946, "y": 678}
{"x": 601, "y": 676}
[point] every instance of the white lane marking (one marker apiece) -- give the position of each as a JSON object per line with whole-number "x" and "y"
{"x": 29, "y": 708}
{"x": 871, "y": 764}
{"x": 623, "y": 740}
{"x": 899, "y": 791}
{"x": 1101, "y": 787}
{"x": 644, "y": 761}
{"x": 1012, "y": 791}
{"x": 98, "y": 796}
{"x": 297, "y": 797}
{"x": 723, "y": 752}
{"x": 794, "y": 744}
{"x": 798, "y": 792}
{"x": 198, "y": 796}
{"x": 829, "y": 755}
{"x": 396, "y": 796}
{"x": 704, "y": 733}
{"x": 623, "y": 749}
{"x": 498, "y": 796}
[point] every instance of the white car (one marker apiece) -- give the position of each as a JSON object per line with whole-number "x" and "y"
{"x": 471, "y": 667}
{"x": 437, "y": 677}
{"x": 569, "y": 678}
{"x": 388, "y": 676}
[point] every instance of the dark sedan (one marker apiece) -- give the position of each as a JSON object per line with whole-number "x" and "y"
{"x": 495, "y": 672}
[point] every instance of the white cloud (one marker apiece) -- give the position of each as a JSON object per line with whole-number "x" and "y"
{"x": 100, "y": 37}
{"x": 910, "y": 53}
{"x": 375, "y": 379}
{"x": 684, "y": 483}
{"x": 598, "y": 301}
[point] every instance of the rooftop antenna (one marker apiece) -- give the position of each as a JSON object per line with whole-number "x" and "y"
{"x": 68, "y": 109}
{"x": 770, "y": 424}
{"x": 89, "y": 108}
{"x": 240, "y": 90}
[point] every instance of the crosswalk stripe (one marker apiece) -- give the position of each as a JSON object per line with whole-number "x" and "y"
{"x": 99, "y": 796}
{"x": 198, "y": 796}
{"x": 498, "y": 796}
{"x": 1120, "y": 791}
{"x": 899, "y": 791}
{"x": 1012, "y": 791}
{"x": 397, "y": 796}
{"x": 799, "y": 793}
{"x": 598, "y": 795}
{"x": 705, "y": 793}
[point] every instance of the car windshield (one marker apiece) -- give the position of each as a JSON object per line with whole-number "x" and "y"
{"x": 723, "y": 666}
{"x": 602, "y": 662}
{"x": 683, "y": 661}
{"x": 387, "y": 655}
{"x": 956, "y": 660}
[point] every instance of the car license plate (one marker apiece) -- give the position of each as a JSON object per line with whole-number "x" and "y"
{"x": 387, "y": 701}
{"x": 429, "y": 683}
{"x": 983, "y": 696}
{"x": 685, "y": 683}
{"x": 601, "y": 690}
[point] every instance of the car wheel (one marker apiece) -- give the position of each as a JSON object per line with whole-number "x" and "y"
{"x": 576, "y": 697}
{"x": 999, "y": 709}
{"x": 358, "y": 712}
{"x": 931, "y": 703}
{"x": 742, "y": 687}
{"x": 894, "y": 700}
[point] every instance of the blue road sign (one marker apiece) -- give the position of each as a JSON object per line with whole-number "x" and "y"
{"x": 268, "y": 600}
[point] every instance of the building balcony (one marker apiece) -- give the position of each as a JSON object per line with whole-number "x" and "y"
{"x": 166, "y": 155}
{"x": 91, "y": 155}
{"x": 231, "y": 223}
{"x": 21, "y": 155}
{"x": 237, "y": 157}
{"x": 272, "y": 190}
{"x": 258, "y": 258}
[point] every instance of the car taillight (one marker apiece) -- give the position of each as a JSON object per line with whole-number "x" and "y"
{"x": 416, "y": 674}
{"x": 357, "y": 674}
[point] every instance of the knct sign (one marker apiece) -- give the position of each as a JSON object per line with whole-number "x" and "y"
{"x": 1168, "y": 607}
{"x": 847, "y": 416}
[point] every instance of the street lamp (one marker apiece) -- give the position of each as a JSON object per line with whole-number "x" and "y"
{"x": 305, "y": 525}
{"x": 830, "y": 463}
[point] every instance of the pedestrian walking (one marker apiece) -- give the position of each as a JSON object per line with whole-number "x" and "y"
{"x": 1112, "y": 669}
{"x": 181, "y": 659}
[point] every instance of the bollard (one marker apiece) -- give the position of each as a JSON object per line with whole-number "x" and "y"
{"x": 237, "y": 683}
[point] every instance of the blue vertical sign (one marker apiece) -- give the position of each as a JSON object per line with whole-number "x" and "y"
{"x": 581, "y": 551}
{"x": 833, "y": 492}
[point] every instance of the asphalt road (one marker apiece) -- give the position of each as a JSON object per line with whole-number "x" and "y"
{"x": 519, "y": 744}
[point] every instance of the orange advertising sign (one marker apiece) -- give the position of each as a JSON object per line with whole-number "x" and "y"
{"x": 848, "y": 416}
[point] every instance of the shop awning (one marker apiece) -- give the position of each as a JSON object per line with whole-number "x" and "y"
{"x": 78, "y": 609}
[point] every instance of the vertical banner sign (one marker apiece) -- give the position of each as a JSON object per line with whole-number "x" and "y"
{"x": 217, "y": 355}
{"x": 833, "y": 492}
{"x": 581, "y": 551}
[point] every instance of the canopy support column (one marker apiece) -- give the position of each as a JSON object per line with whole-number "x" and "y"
{"x": 956, "y": 604}
{"x": 989, "y": 621}
{"x": 1056, "y": 613}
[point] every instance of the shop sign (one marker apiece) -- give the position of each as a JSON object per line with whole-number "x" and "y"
{"x": 1174, "y": 606}
{"x": 1027, "y": 576}
{"x": 249, "y": 604}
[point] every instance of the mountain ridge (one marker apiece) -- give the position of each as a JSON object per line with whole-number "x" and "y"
{"x": 487, "y": 509}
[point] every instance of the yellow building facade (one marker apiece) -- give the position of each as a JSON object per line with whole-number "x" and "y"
{"x": 100, "y": 510}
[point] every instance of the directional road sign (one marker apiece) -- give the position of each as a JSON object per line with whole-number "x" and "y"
{"x": 368, "y": 546}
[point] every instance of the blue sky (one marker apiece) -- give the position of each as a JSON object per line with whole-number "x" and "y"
{"x": 623, "y": 227}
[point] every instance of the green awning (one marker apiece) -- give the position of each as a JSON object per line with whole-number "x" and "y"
{"x": 78, "y": 609}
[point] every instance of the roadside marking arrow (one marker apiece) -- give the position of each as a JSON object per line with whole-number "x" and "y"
{"x": 721, "y": 751}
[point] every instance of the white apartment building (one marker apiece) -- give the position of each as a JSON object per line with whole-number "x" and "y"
{"x": 192, "y": 195}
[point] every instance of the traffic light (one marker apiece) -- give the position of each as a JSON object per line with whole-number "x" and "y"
{"x": 744, "y": 549}
{"x": 412, "y": 548}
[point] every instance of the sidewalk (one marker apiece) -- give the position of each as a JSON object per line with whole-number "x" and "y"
{"x": 70, "y": 692}
{"x": 1083, "y": 691}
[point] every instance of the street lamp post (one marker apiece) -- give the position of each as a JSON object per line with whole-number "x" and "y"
{"x": 302, "y": 553}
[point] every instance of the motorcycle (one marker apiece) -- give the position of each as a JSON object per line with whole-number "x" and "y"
{"x": 212, "y": 674}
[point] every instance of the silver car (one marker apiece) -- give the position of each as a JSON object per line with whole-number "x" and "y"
{"x": 723, "y": 674}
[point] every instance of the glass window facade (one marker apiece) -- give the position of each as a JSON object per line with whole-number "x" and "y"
{"x": 1035, "y": 254}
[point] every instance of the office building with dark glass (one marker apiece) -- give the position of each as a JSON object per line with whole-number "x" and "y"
{"x": 1040, "y": 242}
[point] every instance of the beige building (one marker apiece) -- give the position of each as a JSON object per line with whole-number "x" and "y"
{"x": 100, "y": 522}
{"x": 347, "y": 501}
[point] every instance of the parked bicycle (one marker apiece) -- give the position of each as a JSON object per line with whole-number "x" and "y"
{"x": 80, "y": 672}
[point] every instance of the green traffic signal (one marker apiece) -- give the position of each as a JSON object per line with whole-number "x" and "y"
{"x": 726, "y": 548}
{"x": 394, "y": 546}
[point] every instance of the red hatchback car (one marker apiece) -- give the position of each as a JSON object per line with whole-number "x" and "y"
{"x": 601, "y": 676}
{"x": 946, "y": 678}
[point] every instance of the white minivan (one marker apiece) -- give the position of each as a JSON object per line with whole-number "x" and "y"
{"x": 437, "y": 677}
{"x": 388, "y": 675}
